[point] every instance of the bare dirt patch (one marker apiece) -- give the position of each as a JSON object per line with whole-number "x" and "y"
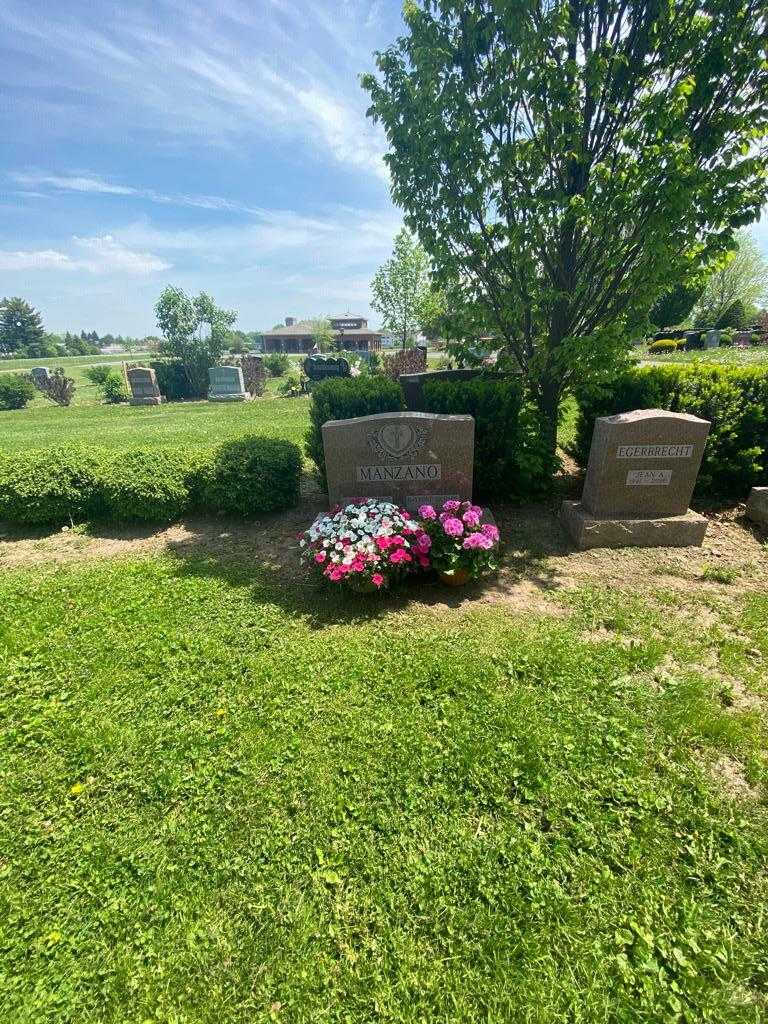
{"x": 539, "y": 559}
{"x": 730, "y": 778}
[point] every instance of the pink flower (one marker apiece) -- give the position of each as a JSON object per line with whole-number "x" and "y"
{"x": 427, "y": 512}
{"x": 451, "y": 505}
{"x": 423, "y": 561}
{"x": 477, "y": 540}
{"x": 477, "y": 509}
{"x": 453, "y": 526}
{"x": 400, "y": 555}
{"x": 397, "y": 541}
{"x": 490, "y": 531}
{"x": 471, "y": 518}
{"x": 377, "y": 579}
{"x": 423, "y": 543}
{"x": 320, "y": 557}
{"x": 383, "y": 543}
{"x": 335, "y": 575}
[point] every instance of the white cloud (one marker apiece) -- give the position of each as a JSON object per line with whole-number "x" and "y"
{"x": 103, "y": 255}
{"x": 42, "y": 259}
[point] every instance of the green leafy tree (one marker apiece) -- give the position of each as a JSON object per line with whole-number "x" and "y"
{"x": 194, "y": 330}
{"x": 735, "y": 288}
{"x": 674, "y": 305}
{"x": 21, "y": 326}
{"x": 401, "y": 289}
{"x": 322, "y": 334}
{"x": 563, "y": 161}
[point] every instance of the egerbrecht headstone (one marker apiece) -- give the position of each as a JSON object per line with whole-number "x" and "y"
{"x": 642, "y": 471}
{"x": 143, "y": 384}
{"x": 412, "y": 458}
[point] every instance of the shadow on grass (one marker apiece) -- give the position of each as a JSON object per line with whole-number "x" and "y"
{"x": 264, "y": 556}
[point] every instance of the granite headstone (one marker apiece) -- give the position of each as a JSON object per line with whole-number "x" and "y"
{"x": 40, "y": 376}
{"x": 711, "y": 339}
{"x": 143, "y": 384}
{"x": 640, "y": 478}
{"x": 757, "y": 506}
{"x": 412, "y": 458}
{"x": 226, "y": 384}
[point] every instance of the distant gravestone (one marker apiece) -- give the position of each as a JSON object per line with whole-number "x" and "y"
{"x": 642, "y": 471}
{"x": 711, "y": 339}
{"x": 411, "y": 458}
{"x": 254, "y": 373}
{"x": 321, "y": 367}
{"x": 226, "y": 384}
{"x": 742, "y": 339}
{"x": 143, "y": 384}
{"x": 757, "y": 506}
{"x": 40, "y": 376}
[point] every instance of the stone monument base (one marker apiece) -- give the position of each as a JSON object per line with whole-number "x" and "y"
{"x": 667, "y": 532}
{"x": 757, "y": 506}
{"x": 158, "y": 400}
{"x": 230, "y": 398}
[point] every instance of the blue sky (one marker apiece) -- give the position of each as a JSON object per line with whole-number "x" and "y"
{"x": 214, "y": 146}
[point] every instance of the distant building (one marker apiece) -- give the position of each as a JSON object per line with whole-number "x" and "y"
{"x": 350, "y": 333}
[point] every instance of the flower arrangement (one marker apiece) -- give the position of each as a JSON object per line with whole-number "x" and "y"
{"x": 462, "y": 546}
{"x": 366, "y": 545}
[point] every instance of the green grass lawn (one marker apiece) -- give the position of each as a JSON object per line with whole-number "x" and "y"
{"x": 718, "y": 356}
{"x": 190, "y": 424}
{"x": 227, "y": 801}
{"x": 70, "y": 362}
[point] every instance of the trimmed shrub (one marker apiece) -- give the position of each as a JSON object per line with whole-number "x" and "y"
{"x": 99, "y": 374}
{"x": 664, "y": 345}
{"x": 248, "y": 475}
{"x": 51, "y": 487}
{"x": 733, "y": 399}
{"x": 148, "y": 484}
{"x": 343, "y": 398}
{"x": 172, "y": 380}
{"x": 113, "y": 389}
{"x": 277, "y": 364}
{"x": 16, "y": 389}
{"x": 495, "y": 403}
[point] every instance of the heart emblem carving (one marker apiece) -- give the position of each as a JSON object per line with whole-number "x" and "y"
{"x": 397, "y": 440}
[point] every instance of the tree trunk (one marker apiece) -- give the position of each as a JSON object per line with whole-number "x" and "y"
{"x": 548, "y": 404}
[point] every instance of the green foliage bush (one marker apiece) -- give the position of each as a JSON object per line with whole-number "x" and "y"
{"x": 51, "y": 487}
{"x": 248, "y": 475}
{"x": 73, "y": 483}
{"x": 16, "y": 389}
{"x": 733, "y": 399}
{"x": 665, "y": 345}
{"x": 146, "y": 484}
{"x": 496, "y": 404}
{"x": 99, "y": 374}
{"x": 277, "y": 364}
{"x": 342, "y": 398}
{"x": 173, "y": 382}
{"x": 113, "y": 389}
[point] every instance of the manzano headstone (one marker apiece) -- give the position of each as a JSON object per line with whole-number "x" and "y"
{"x": 412, "y": 458}
{"x": 640, "y": 479}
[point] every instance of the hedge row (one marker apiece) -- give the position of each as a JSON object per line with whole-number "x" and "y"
{"x": 734, "y": 400}
{"x": 510, "y": 460}
{"x": 241, "y": 477}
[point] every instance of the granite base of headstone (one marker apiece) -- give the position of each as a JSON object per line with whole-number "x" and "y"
{"x": 143, "y": 384}
{"x": 640, "y": 478}
{"x": 757, "y": 506}
{"x": 410, "y": 458}
{"x": 226, "y": 384}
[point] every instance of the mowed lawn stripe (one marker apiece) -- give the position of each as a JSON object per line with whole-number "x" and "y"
{"x": 224, "y": 800}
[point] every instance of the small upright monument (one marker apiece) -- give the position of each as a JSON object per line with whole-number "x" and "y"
{"x": 143, "y": 384}
{"x": 757, "y": 506}
{"x": 640, "y": 479}
{"x": 40, "y": 376}
{"x": 226, "y": 384}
